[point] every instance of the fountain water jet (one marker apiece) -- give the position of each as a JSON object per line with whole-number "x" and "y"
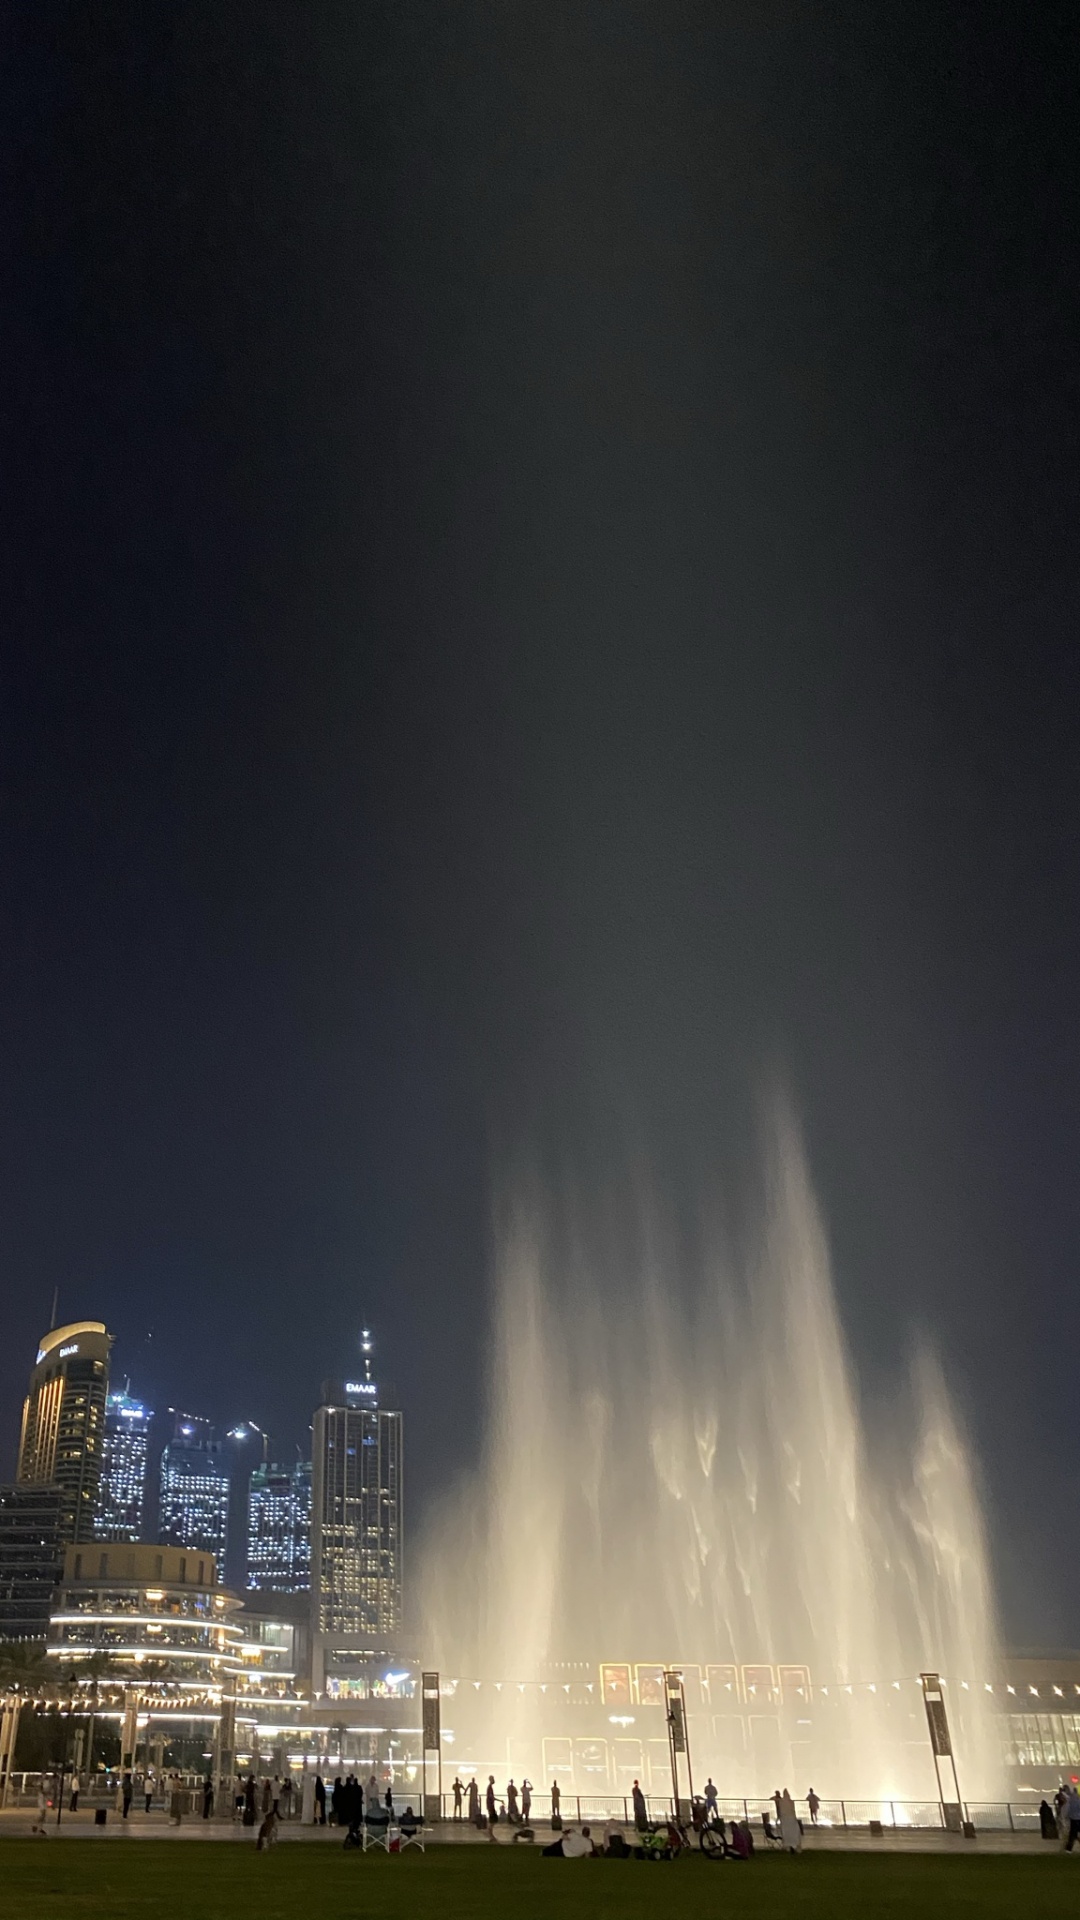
{"x": 676, "y": 1470}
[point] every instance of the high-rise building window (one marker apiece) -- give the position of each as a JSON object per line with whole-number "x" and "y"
{"x": 63, "y": 1420}
{"x": 356, "y": 1519}
{"x": 121, "y": 1501}
{"x": 194, "y": 1508}
{"x": 279, "y": 1529}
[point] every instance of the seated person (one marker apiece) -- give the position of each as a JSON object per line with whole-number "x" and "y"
{"x": 578, "y": 1846}
{"x": 571, "y": 1845}
{"x": 615, "y": 1843}
{"x": 740, "y": 1845}
{"x": 409, "y": 1823}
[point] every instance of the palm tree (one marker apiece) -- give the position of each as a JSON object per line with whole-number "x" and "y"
{"x": 99, "y": 1666}
{"x": 25, "y": 1667}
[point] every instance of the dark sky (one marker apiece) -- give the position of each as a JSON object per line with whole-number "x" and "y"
{"x": 539, "y": 583}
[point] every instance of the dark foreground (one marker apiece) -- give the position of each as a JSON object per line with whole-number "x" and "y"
{"x": 81, "y": 1880}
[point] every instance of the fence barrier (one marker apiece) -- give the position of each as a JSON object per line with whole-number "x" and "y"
{"x": 913, "y": 1816}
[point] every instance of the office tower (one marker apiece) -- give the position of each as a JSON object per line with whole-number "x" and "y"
{"x": 122, "y": 1491}
{"x": 279, "y": 1530}
{"x": 194, "y": 1501}
{"x": 34, "y": 1526}
{"x": 245, "y": 1448}
{"x": 356, "y": 1510}
{"x": 63, "y": 1422}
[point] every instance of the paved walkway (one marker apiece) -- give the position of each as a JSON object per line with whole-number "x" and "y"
{"x": 156, "y": 1826}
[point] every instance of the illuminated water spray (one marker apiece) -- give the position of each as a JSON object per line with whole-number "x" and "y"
{"x": 676, "y": 1471}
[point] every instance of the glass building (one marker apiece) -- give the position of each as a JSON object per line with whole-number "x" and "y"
{"x": 279, "y": 1529}
{"x": 194, "y": 1505}
{"x": 63, "y": 1423}
{"x": 356, "y": 1511}
{"x": 121, "y": 1497}
{"x": 33, "y": 1529}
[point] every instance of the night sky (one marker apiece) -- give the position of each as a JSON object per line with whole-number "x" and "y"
{"x": 539, "y": 587}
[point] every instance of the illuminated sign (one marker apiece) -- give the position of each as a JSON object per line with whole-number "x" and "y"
{"x": 361, "y": 1386}
{"x": 64, "y": 1351}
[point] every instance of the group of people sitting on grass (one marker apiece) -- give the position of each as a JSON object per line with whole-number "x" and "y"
{"x": 573, "y": 1844}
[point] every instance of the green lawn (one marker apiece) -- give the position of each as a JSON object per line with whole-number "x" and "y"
{"x": 187, "y": 1880}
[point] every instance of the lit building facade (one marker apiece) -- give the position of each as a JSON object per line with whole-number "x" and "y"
{"x": 279, "y": 1529}
{"x": 63, "y": 1423}
{"x": 356, "y": 1521}
{"x": 194, "y": 1501}
{"x": 198, "y": 1670}
{"x": 121, "y": 1498}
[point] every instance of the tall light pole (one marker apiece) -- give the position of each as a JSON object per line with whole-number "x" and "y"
{"x": 937, "y": 1720}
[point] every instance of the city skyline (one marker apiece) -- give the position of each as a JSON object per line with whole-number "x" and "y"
{"x": 541, "y": 573}
{"x": 98, "y": 1466}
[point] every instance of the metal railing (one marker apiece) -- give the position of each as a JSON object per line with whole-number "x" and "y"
{"x": 897, "y": 1816}
{"x": 848, "y": 1815}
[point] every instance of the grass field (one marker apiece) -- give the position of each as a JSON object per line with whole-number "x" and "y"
{"x": 82, "y": 1880}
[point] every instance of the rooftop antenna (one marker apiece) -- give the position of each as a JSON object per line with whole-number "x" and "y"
{"x": 366, "y": 1346}
{"x": 55, "y": 1299}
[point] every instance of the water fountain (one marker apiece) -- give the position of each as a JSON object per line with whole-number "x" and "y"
{"x": 677, "y": 1473}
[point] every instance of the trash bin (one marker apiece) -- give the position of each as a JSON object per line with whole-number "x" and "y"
{"x": 101, "y": 1814}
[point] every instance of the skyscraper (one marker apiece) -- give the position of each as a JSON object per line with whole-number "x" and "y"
{"x": 194, "y": 1506}
{"x": 121, "y": 1497}
{"x": 356, "y": 1511}
{"x": 63, "y": 1424}
{"x": 279, "y": 1530}
{"x": 33, "y": 1529}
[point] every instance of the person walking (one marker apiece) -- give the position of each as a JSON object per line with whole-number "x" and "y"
{"x": 489, "y": 1801}
{"x": 388, "y": 1801}
{"x": 512, "y": 1804}
{"x": 208, "y": 1796}
{"x": 148, "y": 1791}
{"x": 813, "y": 1803}
{"x": 337, "y": 1802}
{"x": 320, "y": 1801}
{"x": 457, "y": 1791}
{"x": 556, "y": 1803}
{"x": 126, "y": 1792}
{"x": 249, "y": 1801}
{"x": 73, "y": 1803}
{"x": 641, "y": 1811}
{"x": 526, "y": 1801}
{"x": 1072, "y": 1816}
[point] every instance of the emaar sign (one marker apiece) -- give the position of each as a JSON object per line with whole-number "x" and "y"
{"x": 367, "y": 1387}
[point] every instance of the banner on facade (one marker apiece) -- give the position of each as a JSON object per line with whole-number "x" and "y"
{"x": 936, "y": 1717}
{"x": 430, "y": 1712}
